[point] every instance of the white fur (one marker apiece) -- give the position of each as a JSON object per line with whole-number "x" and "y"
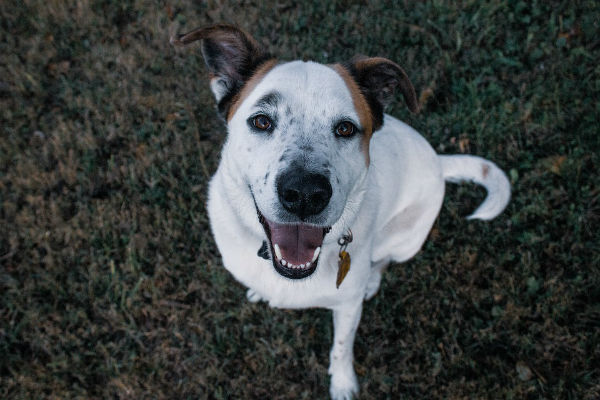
{"x": 483, "y": 172}
{"x": 389, "y": 205}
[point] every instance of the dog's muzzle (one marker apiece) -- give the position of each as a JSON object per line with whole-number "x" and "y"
{"x": 295, "y": 247}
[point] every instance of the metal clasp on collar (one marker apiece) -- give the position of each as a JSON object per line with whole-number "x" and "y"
{"x": 345, "y": 240}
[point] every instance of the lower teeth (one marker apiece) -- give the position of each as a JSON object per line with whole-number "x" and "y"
{"x": 293, "y": 266}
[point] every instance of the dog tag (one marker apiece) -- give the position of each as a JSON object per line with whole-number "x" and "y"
{"x": 343, "y": 267}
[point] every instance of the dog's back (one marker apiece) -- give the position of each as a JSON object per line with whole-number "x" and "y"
{"x": 407, "y": 185}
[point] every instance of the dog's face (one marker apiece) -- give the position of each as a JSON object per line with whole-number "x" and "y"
{"x": 298, "y": 136}
{"x": 301, "y": 123}
{"x": 302, "y": 153}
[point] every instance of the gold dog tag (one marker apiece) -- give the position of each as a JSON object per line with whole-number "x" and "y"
{"x": 343, "y": 267}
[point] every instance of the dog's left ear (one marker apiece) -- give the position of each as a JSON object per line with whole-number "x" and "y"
{"x": 231, "y": 55}
{"x": 378, "y": 79}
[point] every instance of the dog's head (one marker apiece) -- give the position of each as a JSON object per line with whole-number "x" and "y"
{"x": 298, "y": 137}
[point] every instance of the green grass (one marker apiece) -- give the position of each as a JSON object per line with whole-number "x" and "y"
{"x": 112, "y": 287}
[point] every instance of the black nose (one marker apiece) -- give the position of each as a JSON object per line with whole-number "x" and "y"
{"x": 302, "y": 193}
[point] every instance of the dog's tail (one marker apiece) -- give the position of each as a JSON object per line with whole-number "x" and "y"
{"x": 457, "y": 168}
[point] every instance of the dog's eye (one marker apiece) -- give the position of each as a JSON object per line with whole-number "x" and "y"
{"x": 345, "y": 129}
{"x": 262, "y": 122}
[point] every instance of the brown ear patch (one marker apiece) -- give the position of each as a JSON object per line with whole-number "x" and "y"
{"x": 232, "y": 57}
{"x": 385, "y": 76}
{"x": 372, "y": 82}
{"x": 249, "y": 86}
{"x": 360, "y": 105}
{"x": 378, "y": 79}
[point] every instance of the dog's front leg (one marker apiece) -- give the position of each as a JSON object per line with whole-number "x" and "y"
{"x": 343, "y": 379}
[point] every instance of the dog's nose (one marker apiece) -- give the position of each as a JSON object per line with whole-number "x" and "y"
{"x": 303, "y": 194}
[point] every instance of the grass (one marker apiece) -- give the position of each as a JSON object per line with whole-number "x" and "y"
{"x": 112, "y": 287}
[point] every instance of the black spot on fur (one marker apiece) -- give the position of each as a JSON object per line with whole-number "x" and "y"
{"x": 269, "y": 100}
{"x": 263, "y": 252}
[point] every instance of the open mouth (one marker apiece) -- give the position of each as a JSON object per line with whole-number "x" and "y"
{"x": 295, "y": 248}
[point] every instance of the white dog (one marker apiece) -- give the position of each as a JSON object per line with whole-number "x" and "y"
{"x": 317, "y": 189}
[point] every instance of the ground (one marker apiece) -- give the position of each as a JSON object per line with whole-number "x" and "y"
{"x": 111, "y": 285}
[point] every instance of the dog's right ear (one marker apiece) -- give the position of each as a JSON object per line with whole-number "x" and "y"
{"x": 231, "y": 56}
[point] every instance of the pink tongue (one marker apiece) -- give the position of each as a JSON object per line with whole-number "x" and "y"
{"x": 296, "y": 242}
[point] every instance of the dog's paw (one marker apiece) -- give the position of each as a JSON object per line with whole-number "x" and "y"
{"x": 343, "y": 386}
{"x": 252, "y": 296}
{"x": 373, "y": 285}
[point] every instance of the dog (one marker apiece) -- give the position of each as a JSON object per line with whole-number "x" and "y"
{"x": 317, "y": 189}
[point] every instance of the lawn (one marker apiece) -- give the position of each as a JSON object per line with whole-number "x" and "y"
{"x": 111, "y": 286}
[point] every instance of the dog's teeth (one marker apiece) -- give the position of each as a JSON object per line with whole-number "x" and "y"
{"x": 279, "y": 257}
{"x": 316, "y": 254}
{"x": 277, "y": 251}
